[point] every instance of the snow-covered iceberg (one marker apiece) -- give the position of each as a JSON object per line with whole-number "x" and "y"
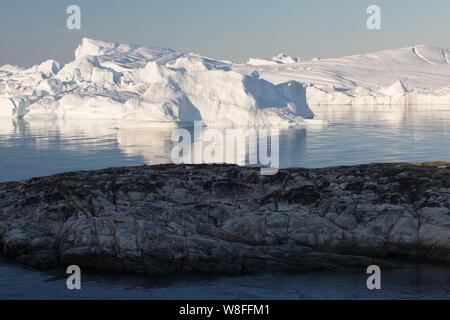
{"x": 276, "y": 60}
{"x": 414, "y": 75}
{"x": 136, "y": 83}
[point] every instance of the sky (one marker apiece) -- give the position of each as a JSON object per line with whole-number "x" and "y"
{"x": 33, "y": 31}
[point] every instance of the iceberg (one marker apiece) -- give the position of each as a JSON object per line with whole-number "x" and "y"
{"x": 13, "y": 107}
{"x": 135, "y": 83}
{"x": 408, "y": 76}
{"x": 276, "y": 60}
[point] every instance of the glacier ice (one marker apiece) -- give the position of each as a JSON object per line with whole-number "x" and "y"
{"x": 278, "y": 59}
{"x": 416, "y": 75}
{"x": 135, "y": 83}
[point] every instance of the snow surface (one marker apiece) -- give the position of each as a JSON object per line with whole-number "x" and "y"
{"x": 414, "y": 75}
{"x": 134, "y": 83}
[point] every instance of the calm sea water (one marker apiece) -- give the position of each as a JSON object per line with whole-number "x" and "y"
{"x": 355, "y": 135}
{"x": 413, "y": 281}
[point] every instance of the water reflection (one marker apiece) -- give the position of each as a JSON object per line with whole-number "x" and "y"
{"x": 356, "y": 135}
{"x": 154, "y": 146}
{"x": 413, "y": 281}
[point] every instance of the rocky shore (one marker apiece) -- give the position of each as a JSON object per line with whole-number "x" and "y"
{"x": 228, "y": 219}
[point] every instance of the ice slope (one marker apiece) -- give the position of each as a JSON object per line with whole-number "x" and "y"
{"x": 414, "y": 75}
{"x": 134, "y": 83}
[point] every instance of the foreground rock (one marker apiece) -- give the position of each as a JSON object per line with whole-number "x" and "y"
{"x": 229, "y": 219}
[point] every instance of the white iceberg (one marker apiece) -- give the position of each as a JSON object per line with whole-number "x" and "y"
{"x": 135, "y": 83}
{"x": 285, "y": 59}
{"x": 276, "y": 60}
{"x": 413, "y": 75}
{"x": 13, "y": 107}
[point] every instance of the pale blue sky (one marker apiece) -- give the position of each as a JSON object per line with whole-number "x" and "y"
{"x": 31, "y": 31}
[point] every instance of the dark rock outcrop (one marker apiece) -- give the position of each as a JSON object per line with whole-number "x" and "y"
{"x": 220, "y": 218}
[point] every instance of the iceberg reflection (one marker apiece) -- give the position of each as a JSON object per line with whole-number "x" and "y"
{"x": 357, "y": 135}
